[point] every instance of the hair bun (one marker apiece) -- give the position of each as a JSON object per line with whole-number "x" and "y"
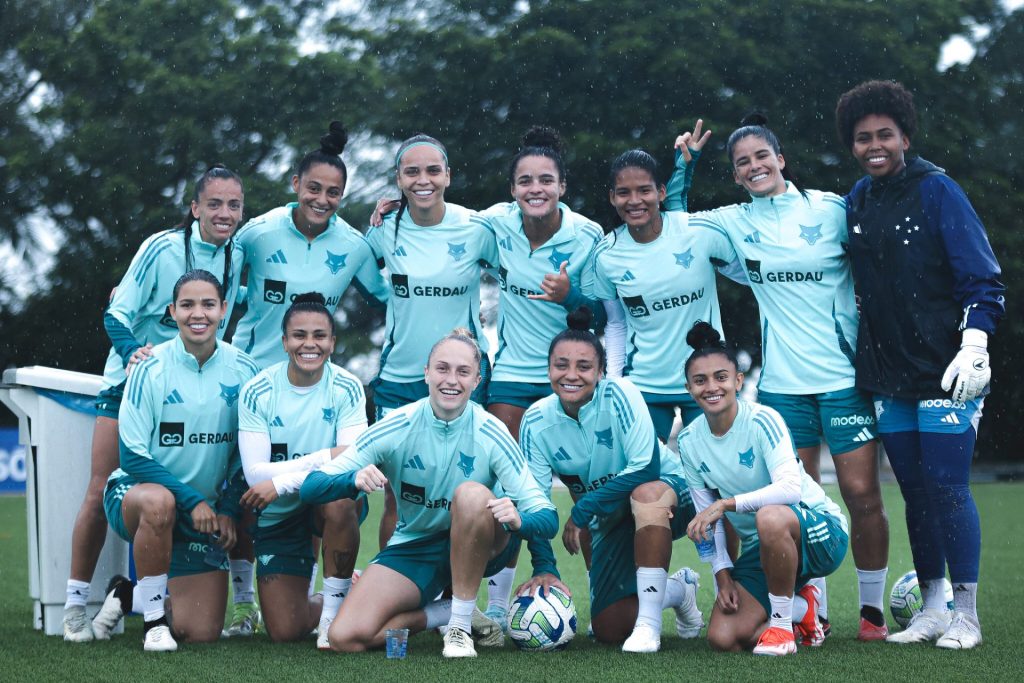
{"x": 582, "y": 318}
{"x": 334, "y": 142}
{"x": 702, "y": 335}
{"x": 543, "y": 136}
{"x": 754, "y": 118}
{"x": 310, "y": 298}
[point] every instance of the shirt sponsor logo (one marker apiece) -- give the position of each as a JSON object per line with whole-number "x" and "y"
{"x": 756, "y": 276}
{"x": 852, "y": 420}
{"x": 577, "y": 486}
{"x": 274, "y": 291}
{"x": 411, "y": 493}
{"x": 211, "y": 437}
{"x": 400, "y": 285}
{"x": 278, "y": 452}
{"x": 942, "y": 403}
{"x": 502, "y": 278}
{"x": 172, "y": 434}
{"x": 636, "y": 306}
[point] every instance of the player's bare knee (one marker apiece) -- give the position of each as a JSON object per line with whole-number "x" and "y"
{"x": 471, "y": 497}
{"x": 773, "y": 520}
{"x": 721, "y": 637}
{"x": 156, "y": 507}
{"x": 341, "y": 512}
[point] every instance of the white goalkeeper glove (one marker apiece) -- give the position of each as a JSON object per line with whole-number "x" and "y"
{"x": 970, "y": 367}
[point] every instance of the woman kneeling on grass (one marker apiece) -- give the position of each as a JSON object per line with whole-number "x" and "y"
{"x": 178, "y": 422}
{"x": 790, "y": 530}
{"x": 443, "y": 456}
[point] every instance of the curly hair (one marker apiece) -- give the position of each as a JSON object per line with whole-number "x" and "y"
{"x": 887, "y": 98}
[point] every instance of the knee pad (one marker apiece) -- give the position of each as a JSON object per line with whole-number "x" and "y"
{"x": 657, "y": 513}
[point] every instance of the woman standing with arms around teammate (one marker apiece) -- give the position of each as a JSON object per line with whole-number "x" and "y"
{"x": 138, "y": 318}
{"x": 596, "y": 435}
{"x": 293, "y": 417}
{"x": 790, "y": 530}
{"x": 178, "y": 427}
{"x": 793, "y": 243}
{"x": 443, "y": 455}
{"x": 930, "y": 298}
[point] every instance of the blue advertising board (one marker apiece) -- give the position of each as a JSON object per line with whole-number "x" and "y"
{"x": 12, "y": 462}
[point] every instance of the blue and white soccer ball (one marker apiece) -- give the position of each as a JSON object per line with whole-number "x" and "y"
{"x": 905, "y": 598}
{"x": 542, "y": 624}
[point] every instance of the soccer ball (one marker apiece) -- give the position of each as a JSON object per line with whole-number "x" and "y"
{"x": 905, "y": 598}
{"x": 542, "y": 624}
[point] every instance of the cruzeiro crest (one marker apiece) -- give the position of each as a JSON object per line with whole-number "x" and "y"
{"x": 466, "y": 464}
{"x": 229, "y": 393}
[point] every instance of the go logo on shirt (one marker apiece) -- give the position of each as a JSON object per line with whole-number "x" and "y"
{"x": 400, "y": 285}
{"x": 172, "y": 434}
{"x": 754, "y": 271}
{"x": 636, "y": 306}
{"x": 274, "y": 291}
{"x": 417, "y": 495}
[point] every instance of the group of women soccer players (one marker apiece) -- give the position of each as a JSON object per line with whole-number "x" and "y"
{"x": 255, "y": 457}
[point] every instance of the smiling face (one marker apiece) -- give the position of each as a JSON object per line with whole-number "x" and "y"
{"x": 574, "y": 370}
{"x": 218, "y": 210}
{"x": 713, "y": 381}
{"x": 198, "y": 310}
{"x": 637, "y": 199}
{"x": 309, "y": 343}
{"x": 319, "y": 192}
{"x": 423, "y": 176}
{"x": 879, "y": 145}
{"x": 537, "y": 186}
{"x": 757, "y": 167}
{"x": 452, "y": 373}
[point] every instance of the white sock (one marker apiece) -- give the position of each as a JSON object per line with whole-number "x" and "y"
{"x": 675, "y": 593}
{"x": 499, "y": 588}
{"x": 335, "y": 591}
{"x": 312, "y": 581}
{"x": 782, "y": 611}
{"x": 438, "y": 613}
{"x": 933, "y": 594}
{"x": 77, "y": 593}
{"x": 822, "y": 597}
{"x": 462, "y": 614}
{"x": 650, "y": 593}
{"x": 799, "y": 610}
{"x": 872, "y": 587}
{"x": 965, "y": 599}
{"x": 241, "y": 581}
{"x": 150, "y": 593}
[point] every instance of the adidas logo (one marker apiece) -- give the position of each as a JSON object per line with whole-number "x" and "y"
{"x": 776, "y": 615}
{"x": 399, "y": 252}
{"x": 157, "y": 598}
{"x": 277, "y": 257}
{"x": 338, "y": 595}
{"x": 237, "y": 579}
{"x": 506, "y": 243}
{"x": 960, "y": 588}
{"x": 277, "y": 422}
{"x": 704, "y": 467}
{"x": 864, "y": 435}
{"x": 173, "y": 398}
{"x": 491, "y": 582}
{"x": 650, "y": 589}
{"x": 562, "y": 455}
{"x": 950, "y": 419}
{"x": 414, "y": 464}
{"x": 627, "y": 276}
{"x": 753, "y": 238}
{"x": 78, "y": 592}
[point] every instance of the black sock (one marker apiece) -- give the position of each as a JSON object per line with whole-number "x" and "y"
{"x": 162, "y": 621}
{"x": 872, "y": 615}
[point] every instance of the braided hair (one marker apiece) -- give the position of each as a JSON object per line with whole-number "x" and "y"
{"x": 215, "y": 172}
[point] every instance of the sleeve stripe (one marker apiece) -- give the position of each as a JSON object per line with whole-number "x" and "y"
{"x": 771, "y": 429}
{"x": 255, "y": 390}
{"x": 139, "y": 376}
{"x": 708, "y": 225}
{"x": 622, "y": 408}
{"x": 505, "y": 444}
{"x": 249, "y": 363}
{"x": 351, "y": 388}
{"x": 380, "y": 430}
{"x": 153, "y": 251}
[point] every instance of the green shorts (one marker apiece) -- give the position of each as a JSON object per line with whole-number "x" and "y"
{"x": 662, "y": 408}
{"x": 521, "y": 394}
{"x": 388, "y": 395}
{"x": 845, "y": 418}
{"x": 427, "y": 562}
{"x": 191, "y": 552}
{"x": 613, "y": 566}
{"x": 108, "y": 401}
{"x": 286, "y": 547}
{"x": 822, "y": 549}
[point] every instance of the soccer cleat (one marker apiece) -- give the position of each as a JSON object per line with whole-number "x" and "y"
{"x": 775, "y": 642}
{"x": 458, "y": 643}
{"x": 826, "y": 626}
{"x": 643, "y": 639}
{"x": 159, "y": 639}
{"x": 928, "y": 624}
{"x": 245, "y": 620}
{"x": 486, "y": 631}
{"x": 964, "y": 632}
{"x": 115, "y": 605}
{"x": 322, "y": 641}
{"x": 869, "y": 632}
{"x": 77, "y": 628}
{"x": 809, "y": 628}
{"x": 689, "y": 619}
{"x": 498, "y": 616}
{"x": 590, "y": 630}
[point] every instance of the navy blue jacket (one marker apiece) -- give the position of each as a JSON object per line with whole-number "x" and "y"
{"x": 924, "y": 270}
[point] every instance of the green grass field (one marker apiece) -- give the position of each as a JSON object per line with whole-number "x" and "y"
{"x": 25, "y": 654}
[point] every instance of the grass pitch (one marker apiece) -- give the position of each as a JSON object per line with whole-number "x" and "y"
{"x": 26, "y": 655}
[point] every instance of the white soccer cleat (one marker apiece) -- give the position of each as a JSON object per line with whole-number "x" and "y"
{"x": 112, "y": 611}
{"x": 486, "y": 631}
{"x": 322, "y": 641}
{"x": 643, "y": 639}
{"x": 76, "y": 625}
{"x": 963, "y": 633}
{"x": 689, "y": 619}
{"x": 458, "y": 643}
{"x": 159, "y": 639}
{"x": 925, "y": 626}
{"x": 498, "y": 616}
